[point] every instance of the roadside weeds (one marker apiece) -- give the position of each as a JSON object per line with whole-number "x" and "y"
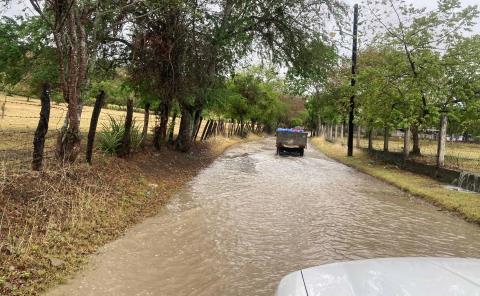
{"x": 465, "y": 204}
{"x": 50, "y": 222}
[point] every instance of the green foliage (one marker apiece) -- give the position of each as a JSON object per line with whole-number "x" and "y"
{"x": 26, "y": 54}
{"x": 312, "y": 67}
{"x": 296, "y": 122}
{"x": 118, "y": 91}
{"x": 418, "y": 65}
{"x": 253, "y": 96}
{"x": 110, "y": 138}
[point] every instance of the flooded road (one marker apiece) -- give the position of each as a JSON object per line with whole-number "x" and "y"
{"x": 252, "y": 217}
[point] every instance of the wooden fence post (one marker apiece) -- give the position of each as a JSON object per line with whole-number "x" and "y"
{"x": 342, "y": 132}
{"x": 171, "y": 128}
{"x": 214, "y": 129}
{"x": 42, "y": 129}
{"x": 205, "y": 129}
{"x": 198, "y": 128}
{"x": 3, "y": 108}
{"x": 126, "y": 141}
{"x": 359, "y": 135}
{"x": 100, "y": 100}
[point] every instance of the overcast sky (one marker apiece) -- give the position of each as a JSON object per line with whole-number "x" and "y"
{"x": 431, "y": 4}
{"x": 18, "y": 5}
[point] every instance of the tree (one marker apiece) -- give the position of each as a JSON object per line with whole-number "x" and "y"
{"x": 421, "y": 35}
{"x": 77, "y": 29}
{"x": 459, "y": 89}
{"x": 26, "y": 53}
{"x": 210, "y": 37}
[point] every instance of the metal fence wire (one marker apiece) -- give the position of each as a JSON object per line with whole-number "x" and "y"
{"x": 19, "y": 119}
{"x": 461, "y": 155}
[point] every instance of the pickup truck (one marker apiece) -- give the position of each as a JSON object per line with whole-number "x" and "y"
{"x": 291, "y": 140}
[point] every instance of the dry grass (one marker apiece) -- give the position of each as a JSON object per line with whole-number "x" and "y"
{"x": 23, "y": 115}
{"x": 51, "y": 221}
{"x": 465, "y": 204}
{"x": 20, "y": 120}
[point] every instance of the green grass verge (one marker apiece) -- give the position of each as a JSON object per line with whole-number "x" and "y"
{"x": 465, "y": 204}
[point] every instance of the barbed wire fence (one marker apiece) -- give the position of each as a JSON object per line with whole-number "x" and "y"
{"x": 460, "y": 154}
{"x": 20, "y": 117}
{"x": 17, "y": 131}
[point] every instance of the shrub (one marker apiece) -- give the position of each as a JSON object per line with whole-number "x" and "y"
{"x": 112, "y": 134}
{"x": 296, "y": 122}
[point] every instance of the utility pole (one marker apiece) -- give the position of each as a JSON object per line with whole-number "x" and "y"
{"x": 354, "y": 72}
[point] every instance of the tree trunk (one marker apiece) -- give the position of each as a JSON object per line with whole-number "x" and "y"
{"x": 229, "y": 128}
{"x": 406, "y": 144}
{"x": 146, "y": 119}
{"x": 416, "y": 141}
{"x": 125, "y": 147}
{"x": 68, "y": 142}
{"x": 160, "y": 136}
{"x": 319, "y": 128}
{"x": 370, "y": 139}
{"x": 386, "y": 137}
{"x": 184, "y": 139}
{"x": 42, "y": 129}
{"x": 171, "y": 129}
{"x": 214, "y": 129}
{"x": 442, "y": 138}
{"x": 74, "y": 54}
{"x": 242, "y": 129}
{"x": 156, "y": 137}
{"x": 342, "y": 132}
{"x": 359, "y": 135}
{"x": 93, "y": 124}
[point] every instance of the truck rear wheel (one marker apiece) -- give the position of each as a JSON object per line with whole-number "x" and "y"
{"x": 301, "y": 151}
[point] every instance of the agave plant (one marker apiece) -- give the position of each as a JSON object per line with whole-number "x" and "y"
{"x": 111, "y": 136}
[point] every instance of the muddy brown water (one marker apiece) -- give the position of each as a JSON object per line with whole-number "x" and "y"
{"x": 252, "y": 217}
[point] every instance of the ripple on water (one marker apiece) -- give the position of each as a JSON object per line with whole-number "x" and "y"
{"x": 270, "y": 215}
{"x": 252, "y": 217}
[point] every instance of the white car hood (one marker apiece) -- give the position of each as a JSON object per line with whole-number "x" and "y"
{"x": 387, "y": 277}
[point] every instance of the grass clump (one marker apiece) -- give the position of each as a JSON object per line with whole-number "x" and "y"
{"x": 465, "y": 204}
